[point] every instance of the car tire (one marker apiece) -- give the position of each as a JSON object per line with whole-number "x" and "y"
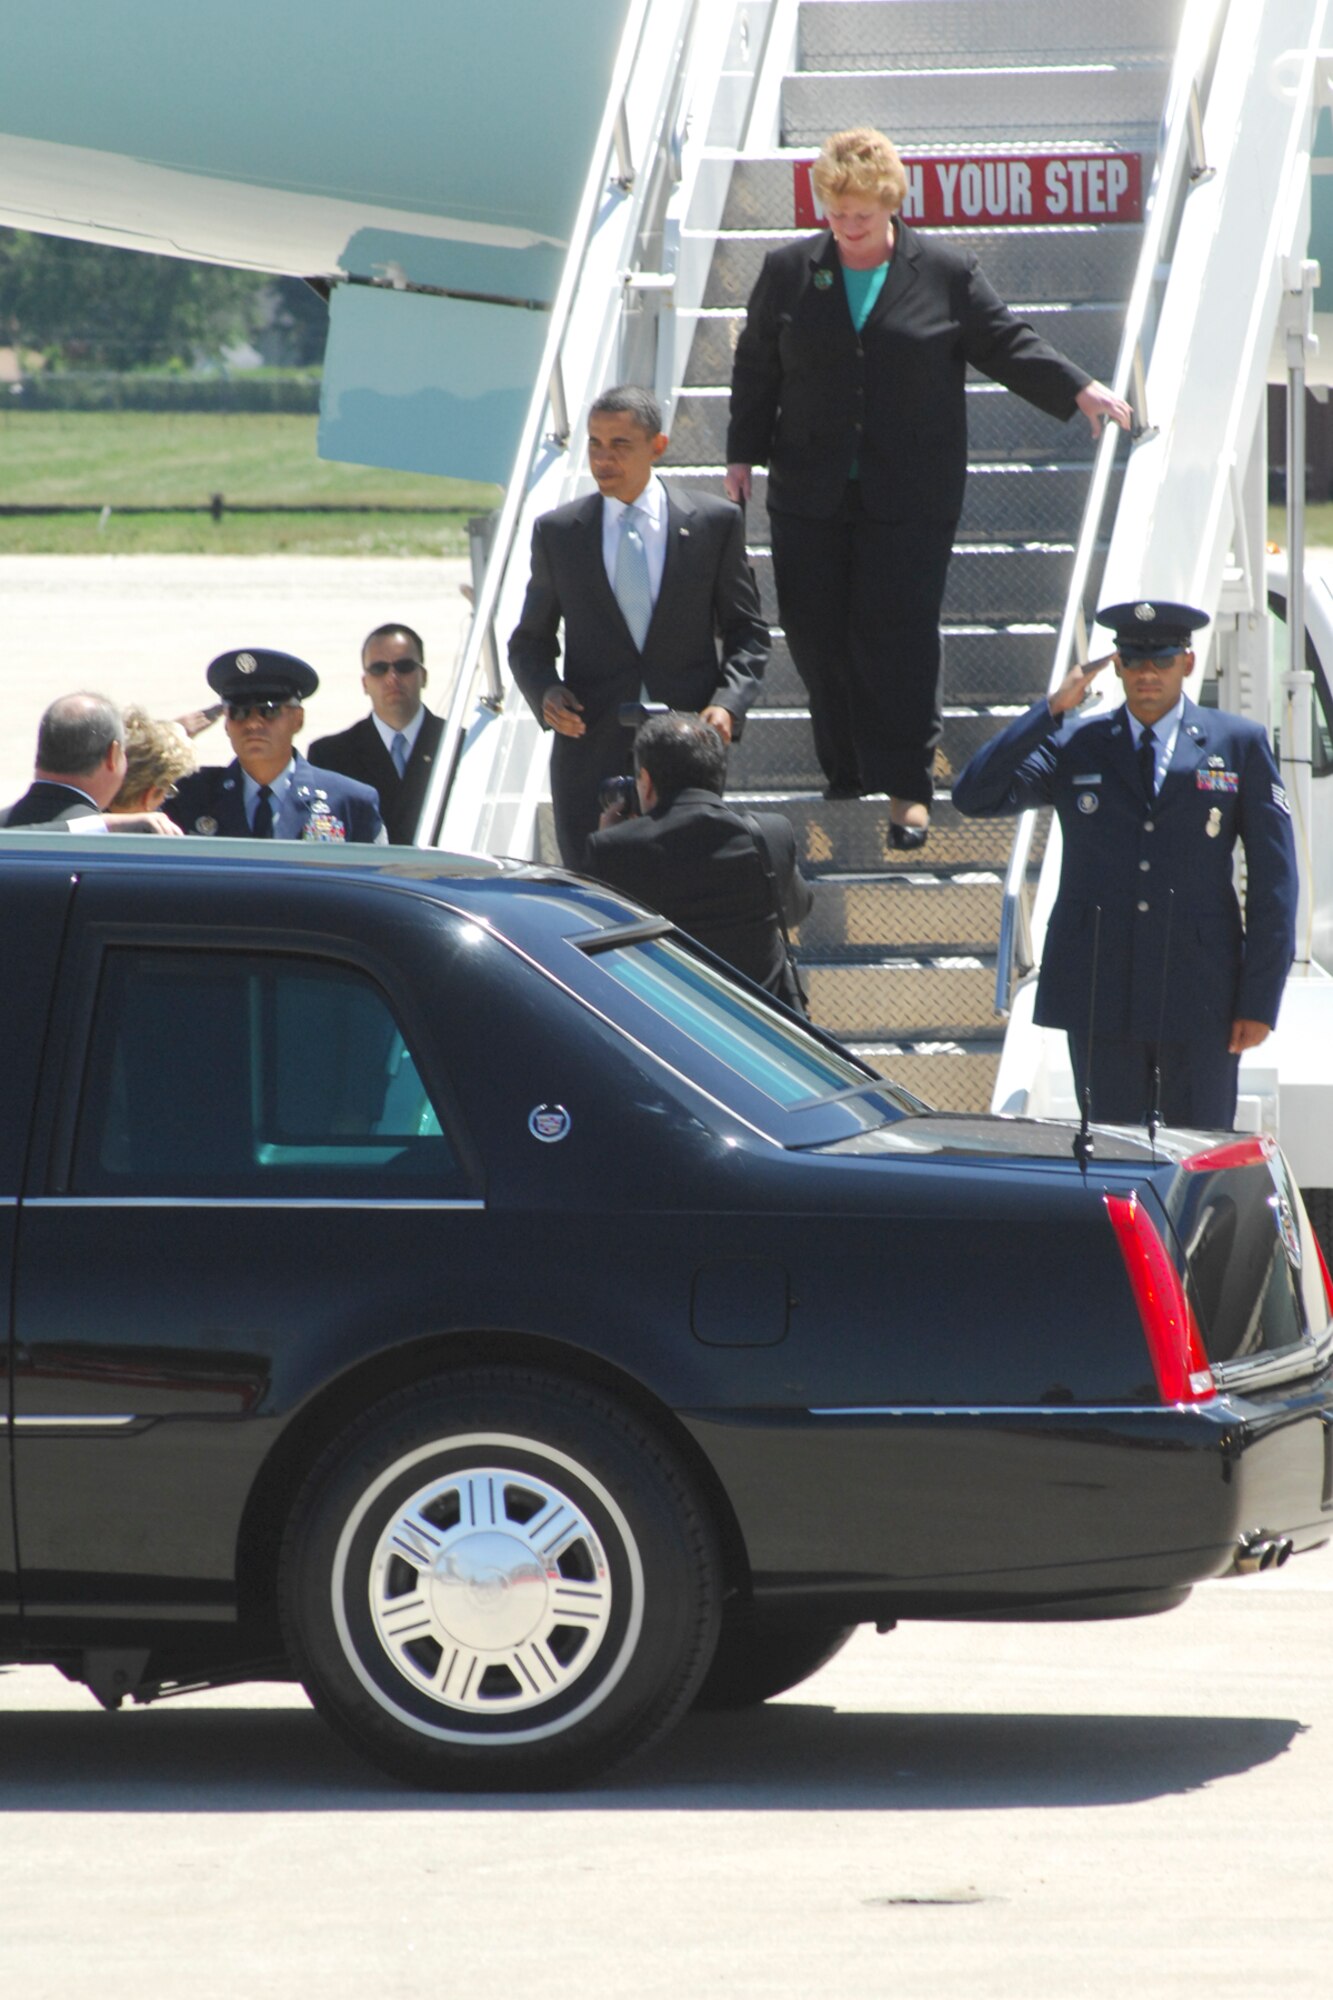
{"x": 758, "y": 1657}
{"x": 500, "y": 1580}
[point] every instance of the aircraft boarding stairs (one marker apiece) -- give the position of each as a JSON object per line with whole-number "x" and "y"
{"x": 900, "y": 956}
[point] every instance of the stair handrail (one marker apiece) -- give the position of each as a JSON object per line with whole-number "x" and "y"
{"x": 480, "y": 653}
{"x": 1180, "y": 167}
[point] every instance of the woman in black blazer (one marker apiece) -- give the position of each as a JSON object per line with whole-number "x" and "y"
{"x": 849, "y": 385}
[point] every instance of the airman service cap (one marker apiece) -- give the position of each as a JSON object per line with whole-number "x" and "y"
{"x": 1150, "y": 626}
{"x": 256, "y": 673}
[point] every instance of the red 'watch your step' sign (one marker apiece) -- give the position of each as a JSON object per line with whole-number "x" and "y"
{"x": 985, "y": 190}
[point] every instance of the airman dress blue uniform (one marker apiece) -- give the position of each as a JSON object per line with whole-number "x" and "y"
{"x": 314, "y": 805}
{"x": 1145, "y": 952}
{"x": 307, "y": 802}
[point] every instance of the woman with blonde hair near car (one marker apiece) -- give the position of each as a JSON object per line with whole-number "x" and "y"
{"x": 157, "y": 755}
{"x": 849, "y": 386}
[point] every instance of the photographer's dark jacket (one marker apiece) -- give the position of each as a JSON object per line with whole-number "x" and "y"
{"x": 696, "y": 861}
{"x": 811, "y": 397}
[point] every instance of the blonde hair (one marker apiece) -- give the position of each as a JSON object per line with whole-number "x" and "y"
{"x": 156, "y": 754}
{"x": 860, "y": 162}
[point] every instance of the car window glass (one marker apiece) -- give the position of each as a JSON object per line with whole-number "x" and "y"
{"x": 774, "y": 1054}
{"x": 233, "y": 1073}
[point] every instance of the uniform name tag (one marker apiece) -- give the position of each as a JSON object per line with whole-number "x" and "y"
{"x": 1087, "y": 778}
{"x": 1217, "y": 781}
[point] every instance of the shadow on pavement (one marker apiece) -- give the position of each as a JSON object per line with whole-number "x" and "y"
{"x": 786, "y": 1757}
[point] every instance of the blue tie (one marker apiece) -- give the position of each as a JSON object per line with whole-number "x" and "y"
{"x": 633, "y": 590}
{"x": 1148, "y": 763}
{"x": 263, "y": 820}
{"x": 398, "y": 751}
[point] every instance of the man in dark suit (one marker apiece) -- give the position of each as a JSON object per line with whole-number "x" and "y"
{"x": 646, "y": 580}
{"x": 80, "y": 768}
{"x": 270, "y": 790}
{"x": 1146, "y": 966}
{"x": 393, "y": 748}
{"x": 729, "y": 879}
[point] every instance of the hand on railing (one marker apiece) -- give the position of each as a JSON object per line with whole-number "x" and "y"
{"x": 1101, "y": 405}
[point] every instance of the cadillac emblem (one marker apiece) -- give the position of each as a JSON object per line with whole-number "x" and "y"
{"x": 549, "y": 1122}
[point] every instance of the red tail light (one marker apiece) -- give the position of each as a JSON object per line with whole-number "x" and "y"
{"x": 1169, "y": 1326}
{"x": 1323, "y": 1272}
{"x": 1255, "y": 1152}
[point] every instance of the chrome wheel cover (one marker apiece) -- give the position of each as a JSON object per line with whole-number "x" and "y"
{"x": 489, "y": 1594}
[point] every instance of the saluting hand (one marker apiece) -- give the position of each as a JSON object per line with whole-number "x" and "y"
{"x": 1073, "y": 689}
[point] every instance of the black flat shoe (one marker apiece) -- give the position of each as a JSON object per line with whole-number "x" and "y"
{"x": 843, "y": 792}
{"x": 907, "y": 838}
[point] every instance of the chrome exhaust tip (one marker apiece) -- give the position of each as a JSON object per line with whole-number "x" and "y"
{"x": 1259, "y": 1551}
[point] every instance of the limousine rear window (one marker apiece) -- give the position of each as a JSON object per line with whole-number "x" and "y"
{"x": 771, "y": 1051}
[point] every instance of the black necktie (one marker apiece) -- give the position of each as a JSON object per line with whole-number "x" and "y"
{"x": 1148, "y": 764}
{"x": 263, "y": 826}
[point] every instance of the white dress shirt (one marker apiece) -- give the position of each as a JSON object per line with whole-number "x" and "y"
{"x": 652, "y": 523}
{"x": 411, "y": 730}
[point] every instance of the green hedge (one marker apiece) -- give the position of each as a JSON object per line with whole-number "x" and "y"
{"x": 264, "y": 391}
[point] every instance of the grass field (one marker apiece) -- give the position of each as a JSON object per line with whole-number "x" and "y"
{"x": 132, "y": 458}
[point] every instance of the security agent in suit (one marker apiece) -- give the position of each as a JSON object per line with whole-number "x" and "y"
{"x": 1147, "y": 967}
{"x": 645, "y": 579}
{"x": 393, "y": 748}
{"x": 80, "y": 768}
{"x": 270, "y": 790}
{"x": 693, "y": 857}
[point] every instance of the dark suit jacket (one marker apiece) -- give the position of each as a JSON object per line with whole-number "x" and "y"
{"x": 48, "y": 804}
{"x": 696, "y": 861}
{"x": 322, "y": 805}
{"x": 1169, "y": 945}
{"x": 707, "y": 592}
{"x": 359, "y": 753}
{"x": 810, "y": 396}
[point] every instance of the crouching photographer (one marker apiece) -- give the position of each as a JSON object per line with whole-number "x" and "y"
{"x": 729, "y": 878}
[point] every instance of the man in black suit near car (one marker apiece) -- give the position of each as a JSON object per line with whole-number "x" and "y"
{"x": 730, "y": 879}
{"x": 393, "y": 748}
{"x": 646, "y": 580}
{"x": 80, "y": 767}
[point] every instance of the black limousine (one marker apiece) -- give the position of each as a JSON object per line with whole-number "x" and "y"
{"x": 439, "y": 1281}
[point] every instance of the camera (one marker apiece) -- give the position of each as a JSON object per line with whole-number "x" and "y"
{"x": 621, "y": 794}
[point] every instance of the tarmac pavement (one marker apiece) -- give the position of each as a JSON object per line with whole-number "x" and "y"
{"x": 143, "y": 629}
{"x": 1000, "y": 1812}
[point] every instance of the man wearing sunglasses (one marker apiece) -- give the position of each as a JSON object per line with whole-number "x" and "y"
{"x": 1147, "y": 965}
{"x": 270, "y": 791}
{"x": 393, "y": 748}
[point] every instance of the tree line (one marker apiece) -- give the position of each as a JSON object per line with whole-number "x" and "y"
{"x": 70, "y": 305}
